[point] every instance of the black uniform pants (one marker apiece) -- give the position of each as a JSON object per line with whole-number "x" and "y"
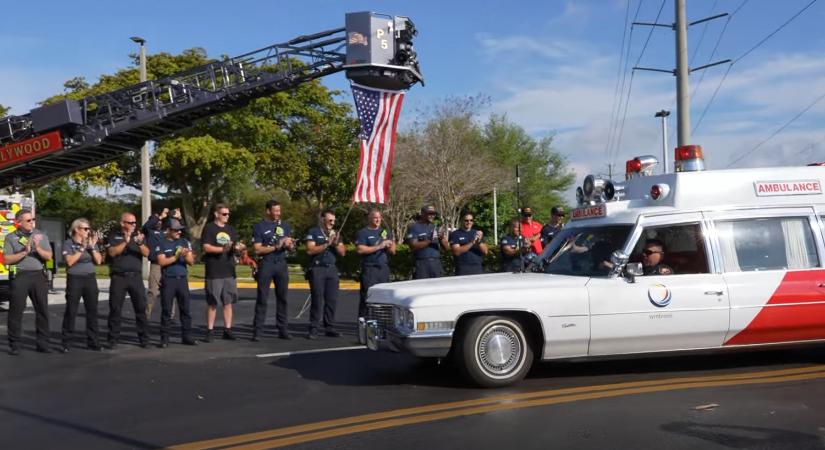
{"x": 323, "y": 287}
{"x": 172, "y": 289}
{"x": 370, "y": 276}
{"x": 427, "y": 268}
{"x": 267, "y": 273}
{"x": 77, "y": 287}
{"x": 468, "y": 269}
{"x": 29, "y": 284}
{"x": 132, "y": 284}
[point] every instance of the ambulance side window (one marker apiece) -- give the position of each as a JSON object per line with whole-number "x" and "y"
{"x": 774, "y": 243}
{"x": 683, "y": 249}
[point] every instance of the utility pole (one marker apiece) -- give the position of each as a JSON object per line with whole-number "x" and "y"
{"x": 495, "y": 217}
{"x": 682, "y": 88}
{"x": 681, "y": 72}
{"x": 145, "y": 193}
{"x": 663, "y": 114}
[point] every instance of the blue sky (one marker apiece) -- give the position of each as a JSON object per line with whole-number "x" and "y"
{"x": 551, "y": 66}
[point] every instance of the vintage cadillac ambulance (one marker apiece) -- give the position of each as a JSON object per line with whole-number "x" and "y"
{"x": 745, "y": 251}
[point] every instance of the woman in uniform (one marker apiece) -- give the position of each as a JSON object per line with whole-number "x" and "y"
{"x": 81, "y": 255}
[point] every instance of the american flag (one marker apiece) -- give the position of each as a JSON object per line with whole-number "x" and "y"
{"x": 378, "y": 111}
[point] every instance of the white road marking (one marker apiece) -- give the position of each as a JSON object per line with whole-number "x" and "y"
{"x": 307, "y": 352}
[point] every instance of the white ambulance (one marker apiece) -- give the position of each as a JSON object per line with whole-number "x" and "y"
{"x": 659, "y": 263}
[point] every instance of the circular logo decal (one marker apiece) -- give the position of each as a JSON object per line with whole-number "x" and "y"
{"x": 659, "y": 295}
{"x": 222, "y": 238}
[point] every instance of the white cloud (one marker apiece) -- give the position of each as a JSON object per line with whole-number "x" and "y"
{"x": 573, "y": 97}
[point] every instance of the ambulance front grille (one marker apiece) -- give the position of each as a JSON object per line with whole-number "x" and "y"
{"x": 381, "y": 314}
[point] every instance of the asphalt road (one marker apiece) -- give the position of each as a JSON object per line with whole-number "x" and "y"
{"x": 223, "y": 395}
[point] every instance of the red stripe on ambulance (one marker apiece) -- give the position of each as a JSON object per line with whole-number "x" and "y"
{"x": 795, "y": 312}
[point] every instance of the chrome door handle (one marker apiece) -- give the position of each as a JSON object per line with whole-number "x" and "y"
{"x": 714, "y": 292}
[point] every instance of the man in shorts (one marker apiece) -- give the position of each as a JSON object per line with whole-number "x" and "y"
{"x": 220, "y": 245}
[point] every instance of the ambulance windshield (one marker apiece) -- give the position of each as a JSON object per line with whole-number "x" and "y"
{"x": 584, "y": 251}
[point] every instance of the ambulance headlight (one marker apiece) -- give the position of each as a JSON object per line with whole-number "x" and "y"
{"x": 403, "y": 318}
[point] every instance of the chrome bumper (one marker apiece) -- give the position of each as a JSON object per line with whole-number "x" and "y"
{"x": 429, "y": 345}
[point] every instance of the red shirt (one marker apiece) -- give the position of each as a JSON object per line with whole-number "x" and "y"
{"x": 529, "y": 230}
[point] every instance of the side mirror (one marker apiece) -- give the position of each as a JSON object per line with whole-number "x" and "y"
{"x": 618, "y": 259}
{"x": 633, "y": 270}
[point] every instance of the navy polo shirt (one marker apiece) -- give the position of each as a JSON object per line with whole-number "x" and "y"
{"x": 325, "y": 258}
{"x": 548, "y": 232}
{"x": 509, "y": 263}
{"x": 372, "y": 237}
{"x": 269, "y": 233}
{"x": 170, "y": 249}
{"x": 472, "y": 257}
{"x": 424, "y": 232}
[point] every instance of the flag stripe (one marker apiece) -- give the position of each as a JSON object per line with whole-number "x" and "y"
{"x": 378, "y": 111}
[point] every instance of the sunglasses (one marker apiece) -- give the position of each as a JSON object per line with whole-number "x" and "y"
{"x": 225, "y": 214}
{"x": 27, "y": 220}
{"x": 84, "y": 228}
{"x": 468, "y": 220}
{"x": 650, "y": 252}
{"x": 130, "y": 223}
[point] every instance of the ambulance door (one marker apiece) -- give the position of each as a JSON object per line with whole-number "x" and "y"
{"x": 685, "y": 309}
{"x": 771, "y": 259}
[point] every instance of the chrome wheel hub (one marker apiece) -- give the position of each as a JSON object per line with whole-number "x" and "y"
{"x": 499, "y": 350}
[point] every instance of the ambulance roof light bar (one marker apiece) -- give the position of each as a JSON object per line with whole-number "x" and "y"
{"x": 640, "y": 166}
{"x": 689, "y": 158}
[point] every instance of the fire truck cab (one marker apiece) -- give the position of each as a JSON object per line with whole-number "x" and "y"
{"x": 10, "y": 205}
{"x": 692, "y": 260}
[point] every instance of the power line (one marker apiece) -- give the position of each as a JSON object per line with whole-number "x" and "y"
{"x": 702, "y": 36}
{"x": 615, "y": 119}
{"x": 630, "y": 87}
{"x": 618, "y": 77}
{"x": 765, "y": 39}
{"x": 782, "y": 128}
{"x": 746, "y": 53}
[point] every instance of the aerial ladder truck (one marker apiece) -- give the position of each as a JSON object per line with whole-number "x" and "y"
{"x": 374, "y": 50}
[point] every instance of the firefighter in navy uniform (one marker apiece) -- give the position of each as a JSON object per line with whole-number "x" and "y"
{"x": 424, "y": 241}
{"x": 323, "y": 246}
{"x": 373, "y": 242}
{"x": 28, "y": 249}
{"x": 126, "y": 248}
{"x": 174, "y": 254}
{"x": 510, "y": 245}
{"x": 652, "y": 258}
{"x": 271, "y": 240}
{"x": 468, "y": 247}
{"x": 552, "y": 228}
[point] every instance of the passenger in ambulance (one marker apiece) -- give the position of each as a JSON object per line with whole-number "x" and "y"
{"x": 653, "y": 257}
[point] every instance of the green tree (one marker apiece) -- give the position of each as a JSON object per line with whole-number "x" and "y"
{"x": 204, "y": 171}
{"x": 545, "y": 173}
{"x": 4, "y": 110}
{"x": 303, "y": 140}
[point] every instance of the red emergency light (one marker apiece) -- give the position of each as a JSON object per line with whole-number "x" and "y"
{"x": 640, "y": 166}
{"x": 689, "y": 158}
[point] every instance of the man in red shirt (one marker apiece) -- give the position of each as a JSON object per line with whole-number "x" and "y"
{"x": 530, "y": 229}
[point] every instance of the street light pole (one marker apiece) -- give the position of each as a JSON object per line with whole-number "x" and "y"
{"x": 663, "y": 114}
{"x": 145, "y": 194}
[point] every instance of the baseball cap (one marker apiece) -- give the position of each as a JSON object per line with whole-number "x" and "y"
{"x": 558, "y": 211}
{"x": 427, "y": 209}
{"x": 174, "y": 224}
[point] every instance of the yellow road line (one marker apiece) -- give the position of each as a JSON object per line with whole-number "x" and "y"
{"x": 492, "y": 400}
{"x": 336, "y": 432}
{"x": 344, "y": 286}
